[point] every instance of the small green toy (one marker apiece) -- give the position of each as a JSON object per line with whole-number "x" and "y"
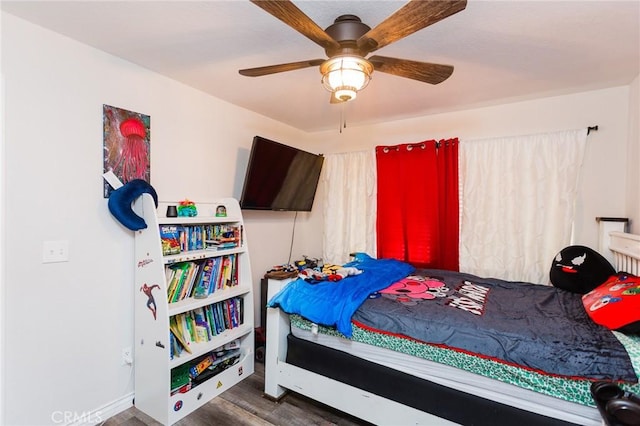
{"x": 187, "y": 208}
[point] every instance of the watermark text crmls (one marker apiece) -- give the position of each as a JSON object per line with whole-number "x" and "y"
{"x": 67, "y": 417}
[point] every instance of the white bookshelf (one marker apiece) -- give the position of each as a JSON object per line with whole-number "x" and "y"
{"x": 152, "y": 350}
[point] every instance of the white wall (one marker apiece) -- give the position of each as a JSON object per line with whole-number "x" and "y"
{"x": 603, "y": 187}
{"x": 633, "y": 160}
{"x": 66, "y": 323}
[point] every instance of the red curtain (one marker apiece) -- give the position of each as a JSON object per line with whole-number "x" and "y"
{"x": 418, "y": 212}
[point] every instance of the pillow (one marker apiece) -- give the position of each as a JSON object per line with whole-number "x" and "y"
{"x": 616, "y": 303}
{"x": 579, "y": 269}
{"x": 120, "y": 203}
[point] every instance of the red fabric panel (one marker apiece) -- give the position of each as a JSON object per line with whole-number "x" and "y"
{"x": 448, "y": 204}
{"x": 416, "y": 190}
{"x": 420, "y": 184}
{"x": 389, "y": 222}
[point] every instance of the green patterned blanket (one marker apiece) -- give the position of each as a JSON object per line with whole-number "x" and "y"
{"x": 573, "y": 390}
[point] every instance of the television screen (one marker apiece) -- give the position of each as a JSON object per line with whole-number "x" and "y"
{"x": 280, "y": 177}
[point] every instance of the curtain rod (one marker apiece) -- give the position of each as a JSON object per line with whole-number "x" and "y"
{"x": 592, "y": 128}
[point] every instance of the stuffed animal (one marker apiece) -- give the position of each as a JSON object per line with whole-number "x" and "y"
{"x": 315, "y": 276}
{"x": 312, "y": 276}
{"x": 330, "y": 269}
{"x": 579, "y": 269}
{"x": 343, "y": 273}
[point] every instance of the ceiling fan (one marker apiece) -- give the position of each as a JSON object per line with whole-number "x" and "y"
{"x": 348, "y": 41}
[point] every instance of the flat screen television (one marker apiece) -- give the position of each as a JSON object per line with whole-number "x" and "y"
{"x": 280, "y": 177}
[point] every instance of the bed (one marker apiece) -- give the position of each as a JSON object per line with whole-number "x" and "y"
{"x": 398, "y": 378}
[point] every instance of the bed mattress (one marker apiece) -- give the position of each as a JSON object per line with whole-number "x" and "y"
{"x": 566, "y": 399}
{"x": 446, "y": 404}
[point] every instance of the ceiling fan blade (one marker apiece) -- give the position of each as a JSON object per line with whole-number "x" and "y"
{"x": 421, "y": 71}
{"x": 289, "y": 13}
{"x": 413, "y": 16}
{"x": 272, "y": 69}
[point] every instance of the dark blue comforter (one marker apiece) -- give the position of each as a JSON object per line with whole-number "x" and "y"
{"x": 538, "y": 327}
{"x": 541, "y": 328}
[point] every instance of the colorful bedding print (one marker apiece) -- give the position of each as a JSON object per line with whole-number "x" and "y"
{"x": 539, "y": 328}
{"x": 568, "y": 389}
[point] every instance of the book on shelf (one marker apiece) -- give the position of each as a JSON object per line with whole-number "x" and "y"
{"x": 233, "y": 313}
{"x": 202, "y": 324}
{"x": 210, "y": 320}
{"x": 203, "y": 287}
{"x": 183, "y": 238}
{"x": 180, "y": 380}
{"x": 196, "y": 273}
{"x": 196, "y": 369}
{"x": 174, "y": 288}
{"x": 219, "y": 273}
{"x": 183, "y": 326}
{"x": 226, "y": 272}
{"x": 195, "y": 372}
{"x": 191, "y": 325}
{"x": 228, "y": 314}
{"x": 234, "y": 344}
{"x": 183, "y": 278}
{"x": 203, "y": 331}
{"x": 236, "y": 267}
{"x": 170, "y": 239}
{"x": 179, "y": 336}
{"x": 219, "y": 365}
{"x": 223, "y": 236}
{"x": 218, "y": 323}
{"x": 174, "y": 274}
{"x": 218, "y": 245}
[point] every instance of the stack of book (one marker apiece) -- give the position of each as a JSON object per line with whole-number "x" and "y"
{"x": 203, "y": 324}
{"x": 191, "y": 374}
{"x": 183, "y": 238}
{"x": 200, "y": 278}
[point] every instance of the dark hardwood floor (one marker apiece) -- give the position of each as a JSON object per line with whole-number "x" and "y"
{"x": 245, "y": 405}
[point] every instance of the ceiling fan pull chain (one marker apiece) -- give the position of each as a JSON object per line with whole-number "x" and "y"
{"x": 343, "y": 118}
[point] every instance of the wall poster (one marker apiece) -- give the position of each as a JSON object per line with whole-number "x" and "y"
{"x": 126, "y": 145}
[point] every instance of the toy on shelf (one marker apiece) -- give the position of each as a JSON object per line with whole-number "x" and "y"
{"x": 221, "y": 211}
{"x": 187, "y": 208}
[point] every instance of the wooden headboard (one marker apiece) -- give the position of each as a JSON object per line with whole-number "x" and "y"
{"x": 626, "y": 252}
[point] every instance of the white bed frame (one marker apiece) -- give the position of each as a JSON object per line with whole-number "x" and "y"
{"x": 626, "y": 251}
{"x": 280, "y": 376}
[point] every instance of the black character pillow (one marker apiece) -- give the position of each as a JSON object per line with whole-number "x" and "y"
{"x": 579, "y": 269}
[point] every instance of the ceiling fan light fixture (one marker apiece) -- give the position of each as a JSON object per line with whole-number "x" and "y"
{"x": 346, "y": 75}
{"x": 345, "y": 94}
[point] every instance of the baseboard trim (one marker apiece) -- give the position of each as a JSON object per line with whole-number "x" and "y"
{"x": 100, "y": 415}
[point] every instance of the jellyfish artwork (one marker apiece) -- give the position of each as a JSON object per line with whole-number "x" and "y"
{"x": 134, "y": 155}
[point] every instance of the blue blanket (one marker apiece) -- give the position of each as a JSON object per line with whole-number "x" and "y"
{"x": 334, "y": 303}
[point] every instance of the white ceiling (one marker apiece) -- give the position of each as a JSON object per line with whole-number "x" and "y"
{"x": 502, "y": 51}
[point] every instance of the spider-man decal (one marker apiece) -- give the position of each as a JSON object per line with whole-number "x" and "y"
{"x": 151, "y": 303}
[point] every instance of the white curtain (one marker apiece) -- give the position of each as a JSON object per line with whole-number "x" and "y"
{"x": 349, "y": 202}
{"x": 518, "y": 203}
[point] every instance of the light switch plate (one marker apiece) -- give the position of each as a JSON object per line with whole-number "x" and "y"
{"x": 55, "y": 251}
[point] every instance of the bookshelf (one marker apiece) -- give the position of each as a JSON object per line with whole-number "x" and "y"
{"x": 194, "y": 328}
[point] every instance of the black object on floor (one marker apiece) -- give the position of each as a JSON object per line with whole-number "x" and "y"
{"x": 617, "y": 406}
